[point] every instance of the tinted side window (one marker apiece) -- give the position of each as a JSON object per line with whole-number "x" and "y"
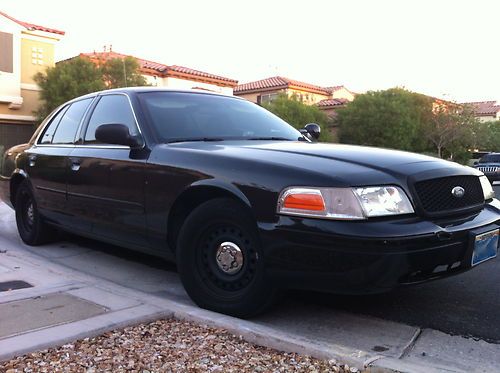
{"x": 66, "y": 130}
{"x": 48, "y": 133}
{"x": 111, "y": 109}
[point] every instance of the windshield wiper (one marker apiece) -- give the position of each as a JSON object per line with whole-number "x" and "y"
{"x": 187, "y": 139}
{"x": 269, "y": 138}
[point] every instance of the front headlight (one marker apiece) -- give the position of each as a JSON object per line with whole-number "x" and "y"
{"x": 344, "y": 203}
{"x": 488, "y": 191}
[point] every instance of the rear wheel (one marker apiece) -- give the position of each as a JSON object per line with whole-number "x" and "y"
{"x": 30, "y": 224}
{"x": 220, "y": 260}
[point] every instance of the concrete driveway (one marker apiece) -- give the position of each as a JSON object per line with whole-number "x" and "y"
{"x": 424, "y": 324}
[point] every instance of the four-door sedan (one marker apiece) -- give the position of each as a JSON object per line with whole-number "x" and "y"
{"x": 244, "y": 203}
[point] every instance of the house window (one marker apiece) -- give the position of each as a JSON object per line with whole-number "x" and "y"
{"x": 265, "y": 99}
{"x": 37, "y": 56}
{"x": 7, "y": 55}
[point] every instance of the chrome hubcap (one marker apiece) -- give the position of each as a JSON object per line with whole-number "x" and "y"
{"x": 229, "y": 258}
{"x": 30, "y": 214}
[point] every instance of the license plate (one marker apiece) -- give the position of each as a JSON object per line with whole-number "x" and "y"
{"x": 485, "y": 247}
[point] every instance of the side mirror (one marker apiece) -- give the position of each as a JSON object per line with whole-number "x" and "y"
{"x": 476, "y": 163}
{"x": 117, "y": 134}
{"x": 313, "y": 130}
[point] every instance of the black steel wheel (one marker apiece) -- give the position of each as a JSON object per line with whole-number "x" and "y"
{"x": 30, "y": 225}
{"x": 220, "y": 260}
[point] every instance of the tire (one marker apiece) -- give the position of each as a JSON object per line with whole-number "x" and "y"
{"x": 216, "y": 276}
{"x": 30, "y": 224}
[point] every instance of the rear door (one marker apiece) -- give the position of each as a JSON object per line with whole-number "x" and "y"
{"x": 48, "y": 160}
{"x": 106, "y": 182}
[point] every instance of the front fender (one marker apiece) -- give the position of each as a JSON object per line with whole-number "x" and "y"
{"x": 228, "y": 187}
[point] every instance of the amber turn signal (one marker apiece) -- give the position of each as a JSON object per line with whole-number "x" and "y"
{"x": 304, "y": 201}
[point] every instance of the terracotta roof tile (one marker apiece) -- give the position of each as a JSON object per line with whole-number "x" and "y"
{"x": 277, "y": 82}
{"x": 161, "y": 68}
{"x": 187, "y": 70}
{"x": 332, "y": 102}
{"x": 484, "y": 107}
{"x": 145, "y": 64}
{"x": 334, "y": 88}
{"x": 32, "y": 26}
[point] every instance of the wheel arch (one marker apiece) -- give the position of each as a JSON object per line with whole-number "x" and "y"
{"x": 194, "y": 196}
{"x": 18, "y": 176}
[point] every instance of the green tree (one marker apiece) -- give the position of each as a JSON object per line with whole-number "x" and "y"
{"x": 392, "y": 119}
{"x": 487, "y": 136}
{"x": 118, "y": 73}
{"x": 66, "y": 81}
{"x": 298, "y": 114}
{"x": 452, "y": 131}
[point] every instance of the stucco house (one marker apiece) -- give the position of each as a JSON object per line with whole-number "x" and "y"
{"x": 172, "y": 76}
{"x": 26, "y": 49}
{"x": 328, "y": 99}
{"x": 485, "y": 111}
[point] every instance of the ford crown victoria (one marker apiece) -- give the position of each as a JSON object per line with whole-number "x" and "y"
{"x": 244, "y": 203}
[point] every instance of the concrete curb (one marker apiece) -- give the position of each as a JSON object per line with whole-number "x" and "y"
{"x": 131, "y": 307}
{"x": 61, "y": 334}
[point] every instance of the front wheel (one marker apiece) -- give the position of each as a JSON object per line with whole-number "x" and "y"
{"x": 220, "y": 260}
{"x": 30, "y": 224}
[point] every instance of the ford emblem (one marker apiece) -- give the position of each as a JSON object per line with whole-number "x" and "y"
{"x": 458, "y": 192}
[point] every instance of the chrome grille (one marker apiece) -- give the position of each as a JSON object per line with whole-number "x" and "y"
{"x": 488, "y": 169}
{"x": 436, "y": 196}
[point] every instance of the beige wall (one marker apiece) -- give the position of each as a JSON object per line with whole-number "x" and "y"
{"x": 36, "y": 56}
{"x": 189, "y": 84}
{"x": 178, "y": 83}
{"x": 343, "y": 93}
{"x": 253, "y": 95}
{"x": 307, "y": 97}
{"x": 10, "y": 89}
{"x": 489, "y": 118}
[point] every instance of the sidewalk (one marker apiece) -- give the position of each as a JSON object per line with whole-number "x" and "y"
{"x": 65, "y": 304}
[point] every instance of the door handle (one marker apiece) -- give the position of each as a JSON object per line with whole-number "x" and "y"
{"x": 32, "y": 159}
{"x": 75, "y": 164}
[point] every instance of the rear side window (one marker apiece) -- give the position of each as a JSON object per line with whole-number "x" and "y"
{"x": 48, "y": 133}
{"x": 68, "y": 125}
{"x": 111, "y": 109}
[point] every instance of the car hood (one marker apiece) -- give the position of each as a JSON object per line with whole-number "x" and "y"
{"x": 345, "y": 164}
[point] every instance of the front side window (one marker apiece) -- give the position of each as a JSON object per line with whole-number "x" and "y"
{"x": 68, "y": 125}
{"x": 111, "y": 109}
{"x": 186, "y": 116}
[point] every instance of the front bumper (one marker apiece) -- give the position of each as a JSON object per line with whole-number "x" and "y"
{"x": 361, "y": 257}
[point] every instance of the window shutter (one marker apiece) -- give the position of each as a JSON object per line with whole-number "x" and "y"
{"x": 6, "y": 52}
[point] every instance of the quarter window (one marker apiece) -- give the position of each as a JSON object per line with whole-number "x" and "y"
{"x": 66, "y": 130}
{"x": 111, "y": 109}
{"x": 48, "y": 134}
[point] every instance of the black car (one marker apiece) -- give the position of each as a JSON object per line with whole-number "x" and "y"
{"x": 245, "y": 204}
{"x": 489, "y": 164}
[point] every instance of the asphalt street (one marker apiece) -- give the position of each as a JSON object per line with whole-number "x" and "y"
{"x": 466, "y": 305}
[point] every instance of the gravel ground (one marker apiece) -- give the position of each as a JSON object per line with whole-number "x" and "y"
{"x": 167, "y": 346}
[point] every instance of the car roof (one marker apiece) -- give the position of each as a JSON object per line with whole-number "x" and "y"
{"x": 152, "y": 89}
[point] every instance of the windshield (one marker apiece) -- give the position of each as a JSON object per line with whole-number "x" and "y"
{"x": 190, "y": 116}
{"x": 490, "y": 158}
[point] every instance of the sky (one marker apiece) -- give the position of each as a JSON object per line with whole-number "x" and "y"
{"x": 446, "y": 49}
